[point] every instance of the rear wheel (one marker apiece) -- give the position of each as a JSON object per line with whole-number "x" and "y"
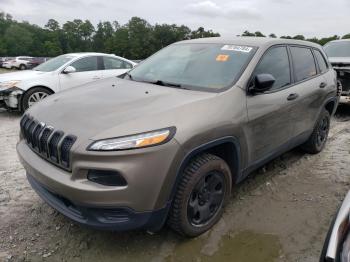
{"x": 201, "y": 195}
{"x": 22, "y": 67}
{"x": 33, "y": 96}
{"x": 318, "y": 138}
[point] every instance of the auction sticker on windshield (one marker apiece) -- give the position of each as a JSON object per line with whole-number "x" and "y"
{"x": 222, "y": 58}
{"x": 237, "y": 48}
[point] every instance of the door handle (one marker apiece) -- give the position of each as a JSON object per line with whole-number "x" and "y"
{"x": 95, "y": 78}
{"x": 292, "y": 97}
{"x": 323, "y": 85}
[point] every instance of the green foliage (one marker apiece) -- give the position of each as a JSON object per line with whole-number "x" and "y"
{"x": 18, "y": 40}
{"x": 135, "y": 40}
{"x": 347, "y": 36}
{"x": 321, "y": 41}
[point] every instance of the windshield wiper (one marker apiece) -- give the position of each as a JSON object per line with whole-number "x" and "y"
{"x": 164, "y": 83}
{"x": 129, "y": 75}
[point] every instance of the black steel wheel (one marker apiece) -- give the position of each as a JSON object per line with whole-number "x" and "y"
{"x": 206, "y": 198}
{"x": 202, "y": 193}
{"x": 318, "y": 138}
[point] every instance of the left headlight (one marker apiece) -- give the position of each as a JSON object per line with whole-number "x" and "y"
{"x": 8, "y": 84}
{"x": 142, "y": 140}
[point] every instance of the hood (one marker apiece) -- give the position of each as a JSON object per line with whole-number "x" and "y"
{"x": 21, "y": 75}
{"x": 339, "y": 60}
{"x": 115, "y": 107}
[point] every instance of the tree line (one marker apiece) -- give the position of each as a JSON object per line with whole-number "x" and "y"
{"x": 137, "y": 39}
{"x": 321, "y": 41}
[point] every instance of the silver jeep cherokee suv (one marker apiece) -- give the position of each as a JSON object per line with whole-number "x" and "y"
{"x": 168, "y": 142}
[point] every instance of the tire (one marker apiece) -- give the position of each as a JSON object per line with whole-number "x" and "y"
{"x": 22, "y": 67}
{"x": 205, "y": 177}
{"x": 318, "y": 138}
{"x": 29, "y": 97}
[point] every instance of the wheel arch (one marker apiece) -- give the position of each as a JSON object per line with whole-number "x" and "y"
{"x": 331, "y": 106}
{"x": 218, "y": 147}
{"x": 227, "y": 148}
{"x": 31, "y": 88}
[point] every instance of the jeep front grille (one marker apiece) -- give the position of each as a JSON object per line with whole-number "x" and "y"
{"x": 52, "y": 145}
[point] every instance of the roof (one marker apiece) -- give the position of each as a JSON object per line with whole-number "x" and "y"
{"x": 99, "y": 54}
{"x": 250, "y": 41}
{"x": 340, "y": 40}
{"x": 87, "y": 53}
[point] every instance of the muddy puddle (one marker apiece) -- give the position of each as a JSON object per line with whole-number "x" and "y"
{"x": 244, "y": 246}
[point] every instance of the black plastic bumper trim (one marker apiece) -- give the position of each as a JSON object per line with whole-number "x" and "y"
{"x": 104, "y": 218}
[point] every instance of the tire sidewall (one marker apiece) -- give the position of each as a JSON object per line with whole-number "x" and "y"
{"x": 324, "y": 114}
{"x": 214, "y": 165}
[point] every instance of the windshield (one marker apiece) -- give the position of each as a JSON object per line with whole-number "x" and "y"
{"x": 338, "y": 49}
{"x": 54, "y": 63}
{"x": 207, "y": 67}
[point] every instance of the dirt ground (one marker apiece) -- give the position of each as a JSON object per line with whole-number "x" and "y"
{"x": 280, "y": 213}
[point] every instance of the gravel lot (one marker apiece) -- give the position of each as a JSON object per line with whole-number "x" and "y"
{"x": 280, "y": 213}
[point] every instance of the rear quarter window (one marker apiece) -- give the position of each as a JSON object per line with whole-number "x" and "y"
{"x": 321, "y": 61}
{"x": 304, "y": 63}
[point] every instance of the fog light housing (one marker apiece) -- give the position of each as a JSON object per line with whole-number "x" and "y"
{"x": 106, "y": 178}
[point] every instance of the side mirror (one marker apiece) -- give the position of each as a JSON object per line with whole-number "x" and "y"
{"x": 69, "y": 69}
{"x": 262, "y": 83}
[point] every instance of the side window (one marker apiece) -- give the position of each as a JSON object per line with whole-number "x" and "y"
{"x": 321, "y": 61}
{"x": 275, "y": 62}
{"x": 86, "y": 64}
{"x": 115, "y": 63}
{"x": 304, "y": 63}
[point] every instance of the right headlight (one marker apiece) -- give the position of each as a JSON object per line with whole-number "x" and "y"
{"x": 142, "y": 140}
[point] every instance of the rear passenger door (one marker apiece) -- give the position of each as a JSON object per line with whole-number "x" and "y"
{"x": 114, "y": 66}
{"x": 271, "y": 114}
{"x": 310, "y": 86}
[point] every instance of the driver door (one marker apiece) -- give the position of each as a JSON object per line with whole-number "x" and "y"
{"x": 87, "y": 70}
{"x": 271, "y": 113}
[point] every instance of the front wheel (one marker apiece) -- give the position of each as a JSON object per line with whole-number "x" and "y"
{"x": 33, "y": 96}
{"x": 318, "y": 138}
{"x": 22, "y": 67}
{"x": 202, "y": 193}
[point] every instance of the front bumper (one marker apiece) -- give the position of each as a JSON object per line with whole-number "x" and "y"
{"x": 146, "y": 172}
{"x": 343, "y": 74}
{"x": 118, "y": 219}
{"x": 11, "y": 98}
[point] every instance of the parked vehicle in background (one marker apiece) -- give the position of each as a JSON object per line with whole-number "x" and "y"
{"x": 19, "y": 62}
{"x": 338, "y": 52}
{"x": 2, "y": 60}
{"x": 337, "y": 244}
{"x": 20, "y": 90}
{"x": 36, "y": 61}
{"x": 168, "y": 141}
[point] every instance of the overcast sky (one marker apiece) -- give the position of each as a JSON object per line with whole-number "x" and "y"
{"x": 283, "y": 17}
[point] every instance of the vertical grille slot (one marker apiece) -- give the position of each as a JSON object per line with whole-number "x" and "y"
{"x": 66, "y": 146}
{"x": 43, "y": 140}
{"x": 31, "y": 130}
{"x": 26, "y": 127}
{"x": 36, "y": 134}
{"x": 48, "y": 143}
{"x": 53, "y": 145}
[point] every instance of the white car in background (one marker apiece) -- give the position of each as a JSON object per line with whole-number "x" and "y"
{"x": 20, "y": 90}
{"x": 19, "y": 62}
